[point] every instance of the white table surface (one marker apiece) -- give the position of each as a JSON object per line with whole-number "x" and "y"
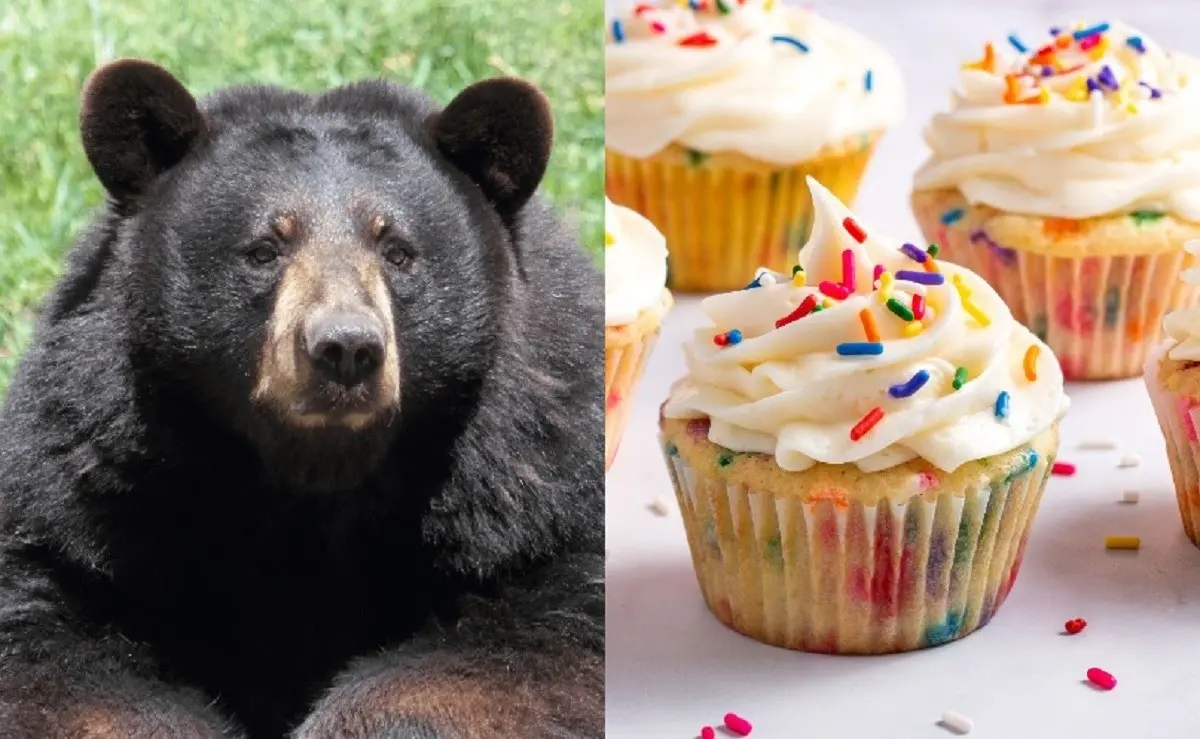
{"x": 672, "y": 667}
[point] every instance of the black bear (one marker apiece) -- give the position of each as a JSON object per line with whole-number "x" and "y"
{"x": 309, "y": 441}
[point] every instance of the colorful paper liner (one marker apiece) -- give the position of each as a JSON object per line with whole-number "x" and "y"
{"x": 1178, "y": 416}
{"x": 624, "y": 364}
{"x": 1100, "y": 315}
{"x": 857, "y": 579}
{"x": 725, "y": 216}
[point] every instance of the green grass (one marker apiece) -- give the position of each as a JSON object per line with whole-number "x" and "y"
{"x": 48, "y": 47}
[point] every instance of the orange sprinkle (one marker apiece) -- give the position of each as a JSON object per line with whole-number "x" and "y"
{"x": 931, "y": 265}
{"x": 1011, "y": 94}
{"x": 1063, "y": 41}
{"x": 1031, "y": 357}
{"x": 988, "y": 62}
{"x": 869, "y": 326}
{"x": 1060, "y": 227}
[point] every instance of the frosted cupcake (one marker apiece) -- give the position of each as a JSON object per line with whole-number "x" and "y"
{"x": 635, "y": 301}
{"x": 1173, "y": 378}
{"x": 859, "y": 459}
{"x": 714, "y": 117}
{"x": 1068, "y": 176}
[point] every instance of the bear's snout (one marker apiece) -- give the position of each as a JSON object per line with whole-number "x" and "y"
{"x": 346, "y": 348}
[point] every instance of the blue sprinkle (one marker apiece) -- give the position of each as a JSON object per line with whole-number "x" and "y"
{"x": 1016, "y": 43}
{"x": 617, "y": 31}
{"x": 791, "y": 40}
{"x": 1002, "y": 404}
{"x": 734, "y": 336}
{"x": 912, "y": 385}
{"x": 694, "y": 4}
{"x": 1083, "y": 33}
{"x": 1135, "y": 42}
{"x": 917, "y": 255}
{"x": 953, "y": 215}
{"x": 756, "y": 282}
{"x": 860, "y": 348}
{"x": 867, "y": 80}
{"x": 921, "y": 278}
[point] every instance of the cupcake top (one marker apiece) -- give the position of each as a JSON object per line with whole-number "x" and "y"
{"x": 1098, "y": 120}
{"x": 756, "y": 77}
{"x": 836, "y": 365}
{"x": 635, "y": 264}
{"x": 1182, "y": 326}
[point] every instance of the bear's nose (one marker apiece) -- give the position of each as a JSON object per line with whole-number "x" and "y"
{"x": 345, "y": 348}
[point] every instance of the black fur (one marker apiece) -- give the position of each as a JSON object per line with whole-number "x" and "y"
{"x": 162, "y": 568}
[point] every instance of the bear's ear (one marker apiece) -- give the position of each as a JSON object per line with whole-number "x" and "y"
{"x": 498, "y": 132}
{"x": 137, "y": 121}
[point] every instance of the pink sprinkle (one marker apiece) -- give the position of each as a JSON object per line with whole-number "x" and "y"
{"x": 1101, "y": 679}
{"x": 708, "y": 732}
{"x": 1063, "y": 468}
{"x": 658, "y": 27}
{"x": 878, "y": 273}
{"x": 835, "y": 289}
{"x": 1089, "y": 42}
{"x": 918, "y": 307}
{"x": 854, "y": 230}
{"x": 737, "y": 724}
{"x": 848, "y": 276}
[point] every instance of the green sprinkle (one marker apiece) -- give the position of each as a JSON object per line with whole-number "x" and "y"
{"x": 724, "y": 459}
{"x": 672, "y": 450}
{"x": 933, "y": 250}
{"x": 1142, "y": 217}
{"x": 960, "y": 378}
{"x": 696, "y": 158}
{"x": 900, "y": 309}
{"x": 796, "y": 270}
{"x": 772, "y": 550}
{"x": 817, "y": 308}
{"x": 723, "y": 7}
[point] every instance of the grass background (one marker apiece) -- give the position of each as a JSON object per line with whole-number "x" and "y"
{"x": 48, "y": 47}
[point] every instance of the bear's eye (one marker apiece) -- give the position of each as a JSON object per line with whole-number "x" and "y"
{"x": 264, "y": 252}
{"x": 397, "y": 253}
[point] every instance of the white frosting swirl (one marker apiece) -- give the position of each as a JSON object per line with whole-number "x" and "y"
{"x": 785, "y": 391}
{"x": 1183, "y": 324}
{"x": 635, "y": 264}
{"x": 767, "y": 99}
{"x": 1081, "y": 154}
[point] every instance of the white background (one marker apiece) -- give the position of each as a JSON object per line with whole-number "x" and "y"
{"x": 673, "y": 668}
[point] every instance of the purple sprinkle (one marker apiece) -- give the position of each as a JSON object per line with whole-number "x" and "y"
{"x": 1054, "y": 30}
{"x": 917, "y": 255}
{"x": 921, "y": 278}
{"x": 1004, "y": 254}
{"x": 1107, "y": 78}
{"x": 1047, "y": 71}
{"x": 1155, "y": 93}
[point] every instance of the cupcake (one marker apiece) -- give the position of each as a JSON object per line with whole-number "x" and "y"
{"x": 635, "y": 301}
{"x": 1067, "y": 175}
{"x": 717, "y": 110}
{"x": 859, "y": 450}
{"x": 1173, "y": 377}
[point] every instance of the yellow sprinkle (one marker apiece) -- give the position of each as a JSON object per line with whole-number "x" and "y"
{"x": 961, "y": 286}
{"x": 912, "y": 328}
{"x": 1122, "y": 542}
{"x": 1043, "y": 96}
{"x": 827, "y": 302}
{"x": 973, "y": 311}
{"x": 933, "y": 303}
{"x": 767, "y": 6}
{"x": 885, "y": 287}
{"x": 1132, "y": 108}
{"x": 1077, "y": 90}
{"x": 1100, "y": 49}
{"x": 609, "y": 239}
{"x": 798, "y": 279}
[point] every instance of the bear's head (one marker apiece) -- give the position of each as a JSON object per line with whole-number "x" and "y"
{"x": 315, "y": 271}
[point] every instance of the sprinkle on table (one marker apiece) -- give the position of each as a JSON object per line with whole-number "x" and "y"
{"x": 960, "y": 378}
{"x": 952, "y": 216}
{"x": 899, "y": 309}
{"x": 1002, "y": 403}
{"x": 910, "y": 386}
{"x": 1125, "y": 543}
{"x": 854, "y": 230}
{"x": 737, "y": 724}
{"x": 1075, "y": 625}
{"x": 1101, "y": 679}
{"x": 1030, "y": 363}
{"x": 659, "y": 507}
{"x": 869, "y": 326}
{"x": 860, "y": 349}
{"x": 806, "y": 306}
{"x": 864, "y": 426}
{"x": 914, "y": 253}
{"x": 957, "y": 722}
{"x": 791, "y": 41}
{"x": 1130, "y": 496}
{"x": 1129, "y": 460}
{"x": 1066, "y": 469}
{"x": 1098, "y": 443}
{"x": 708, "y": 732}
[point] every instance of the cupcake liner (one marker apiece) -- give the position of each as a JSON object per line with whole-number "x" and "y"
{"x": 1178, "y": 417}
{"x": 725, "y": 215}
{"x": 1099, "y": 314}
{"x": 626, "y": 350}
{"x": 844, "y": 577}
